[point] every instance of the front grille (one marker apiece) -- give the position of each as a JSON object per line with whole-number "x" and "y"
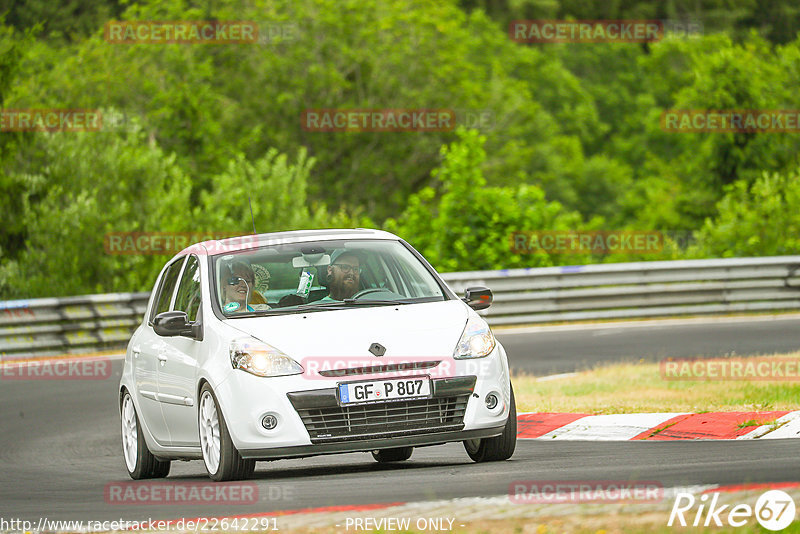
{"x": 376, "y": 369}
{"x": 385, "y": 419}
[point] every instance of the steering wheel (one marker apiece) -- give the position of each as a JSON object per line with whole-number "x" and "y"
{"x": 367, "y": 292}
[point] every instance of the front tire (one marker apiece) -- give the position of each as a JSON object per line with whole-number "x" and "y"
{"x": 500, "y": 447}
{"x": 139, "y": 461}
{"x": 399, "y": 454}
{"x": 222, "y": 460}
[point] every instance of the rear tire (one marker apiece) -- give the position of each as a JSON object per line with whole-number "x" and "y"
{"x": 139, "y": 461}
{"x": 498, "y": 448}
{"x": 222, "y": 460}
{"x": 399, "y": 454}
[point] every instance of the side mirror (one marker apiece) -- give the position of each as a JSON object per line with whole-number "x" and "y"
{"x": 174, "y": 323}
{"x": 478, "y": 298}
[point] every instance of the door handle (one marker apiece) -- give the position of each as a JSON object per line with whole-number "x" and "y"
{"x": 136, "y": 351}
{"x": 162, "y": 357}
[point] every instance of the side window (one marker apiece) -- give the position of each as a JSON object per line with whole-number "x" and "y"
{"x": 413, "y": 276}
{"x": 376, "y": 273}
{"x": 166, "y": 288}
{"x": 188, "y": 299}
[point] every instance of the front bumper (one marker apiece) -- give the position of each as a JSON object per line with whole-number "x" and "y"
{"x": 327, "y": 422}
{"x": 307, "y": 411}
{"x": 417, "y": 440}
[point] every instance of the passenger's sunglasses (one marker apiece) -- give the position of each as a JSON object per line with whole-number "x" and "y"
{"x": 234, "y": 281}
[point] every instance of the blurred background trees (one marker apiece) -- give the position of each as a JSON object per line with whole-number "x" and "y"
{"x": 574, "y": 141}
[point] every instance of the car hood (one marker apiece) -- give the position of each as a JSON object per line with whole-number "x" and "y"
{"x": 429, "y": 329}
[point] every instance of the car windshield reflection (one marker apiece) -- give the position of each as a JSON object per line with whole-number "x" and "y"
{"x": 320, "y": 276}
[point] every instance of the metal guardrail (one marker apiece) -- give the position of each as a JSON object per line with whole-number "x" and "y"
{"x": 41, "y": 327}
{"x": 52, "y": 326}
{"x": 637, "y": 290}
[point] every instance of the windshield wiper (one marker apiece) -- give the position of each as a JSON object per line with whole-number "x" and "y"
{"x": 316, "y": 306}
{"x": 341, "y": 305}
{"x": 322, "y": 306}
{"x": 353, "y": 302}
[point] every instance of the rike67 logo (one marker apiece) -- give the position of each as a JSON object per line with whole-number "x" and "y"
{"x": 774, "y": 510}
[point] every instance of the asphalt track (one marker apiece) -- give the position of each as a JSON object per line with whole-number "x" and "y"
{"x": 60, "y": 444}
{"x": 552, "y": 350}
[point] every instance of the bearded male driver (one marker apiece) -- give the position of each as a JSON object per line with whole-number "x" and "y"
{"x": 344, "y": 274}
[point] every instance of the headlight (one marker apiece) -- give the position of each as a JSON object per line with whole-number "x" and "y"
{"x": 477, "y": 341}
{"x": 261, "y": 358}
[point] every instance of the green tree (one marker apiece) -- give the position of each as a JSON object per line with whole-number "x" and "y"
{"x": 758, "y": 219}
{"x": 209, "y": 103}
{"x": 15, "y": 189}
{"x": 470, "y": 226}
{"x": 775, "y": 19}
{"x": 277, "y": 190}
{"x": 92, "y": 184}
{"x": 69, "y": 20}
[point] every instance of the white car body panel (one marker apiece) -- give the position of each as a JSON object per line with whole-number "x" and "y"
{"x": 165, "y": 391}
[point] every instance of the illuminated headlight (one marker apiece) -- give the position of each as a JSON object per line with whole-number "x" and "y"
{"x": 477, "y": 341}
{"x": 262, "y": 359}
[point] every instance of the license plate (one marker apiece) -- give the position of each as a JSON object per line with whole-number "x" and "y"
{"x": 415, "y": 387}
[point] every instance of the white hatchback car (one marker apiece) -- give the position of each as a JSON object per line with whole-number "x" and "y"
{"x": 302, "y": 343}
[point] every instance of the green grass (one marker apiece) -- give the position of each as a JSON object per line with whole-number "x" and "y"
{"x": 754, "y": 422}
{"x": 639, "y": 387}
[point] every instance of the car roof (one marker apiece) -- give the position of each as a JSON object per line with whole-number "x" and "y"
{"x": 246, "y": 242}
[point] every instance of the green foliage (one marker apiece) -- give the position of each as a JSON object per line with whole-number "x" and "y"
{"x": 574, "y": 141}
{"x": 15, "y": 189}
{"x": 277, "y": 190}
{"x": 88, "y": 185}
{"x": 470, "y": 226}
{"x": 211, "y": 103}
{"x": 760, "y": 219}
{"x": 778, "y": 20}
{"x": 60, "y": 20}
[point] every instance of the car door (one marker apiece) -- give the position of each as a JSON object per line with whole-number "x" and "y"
{"x": 147, "y": 352}
{"x": 177, "y": 371}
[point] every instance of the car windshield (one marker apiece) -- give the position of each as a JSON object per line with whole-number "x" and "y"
{"x": 316, "y": 276}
